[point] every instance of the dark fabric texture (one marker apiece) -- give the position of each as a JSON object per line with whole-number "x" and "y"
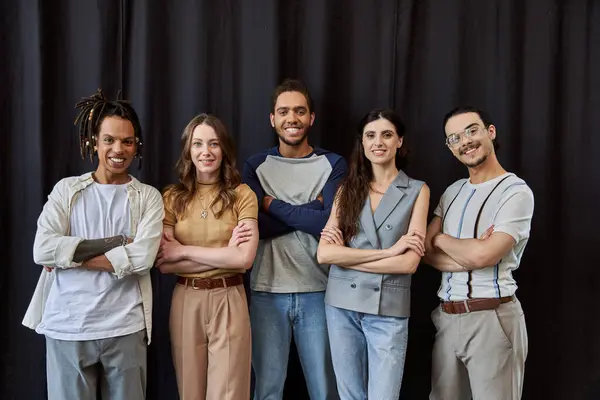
{"x": 533, "y": 64}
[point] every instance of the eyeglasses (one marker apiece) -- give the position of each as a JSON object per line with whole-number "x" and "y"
{"x": 453, "y": 140}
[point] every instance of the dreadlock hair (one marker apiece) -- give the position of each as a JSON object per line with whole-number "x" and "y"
{"x": 93, "y": 110}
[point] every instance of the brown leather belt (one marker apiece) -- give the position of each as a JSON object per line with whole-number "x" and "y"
{"x": 466, "y": 306}
{"x": 209, "y": 283}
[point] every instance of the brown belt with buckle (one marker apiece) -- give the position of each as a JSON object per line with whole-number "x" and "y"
{"x": 211, "y": 283}
{"x": 467, "y": 306}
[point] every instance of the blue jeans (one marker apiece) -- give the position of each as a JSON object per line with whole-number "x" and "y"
{"x": 274, "y": 317}
{"x": 368, "y": 353}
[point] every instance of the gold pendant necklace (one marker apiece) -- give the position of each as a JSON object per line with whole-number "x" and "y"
{"x": 204, "y": 212}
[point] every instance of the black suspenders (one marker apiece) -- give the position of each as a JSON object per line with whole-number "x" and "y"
{"x": 476, "y": 227}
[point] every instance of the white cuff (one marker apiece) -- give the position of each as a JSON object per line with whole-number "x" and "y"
{"x": 120, "y": 261}
{"x": 63, "y": 254}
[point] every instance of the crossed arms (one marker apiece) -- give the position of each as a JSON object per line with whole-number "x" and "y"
{"x": 174, "y": 257}
{"x": 449, "y": 254}
{"x": 401, "y": 258}
{"x": 119, "y": 255}
{"x": 277, "y": 217}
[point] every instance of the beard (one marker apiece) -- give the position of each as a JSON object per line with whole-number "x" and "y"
{"x": 292, "y": 142}
{"x": 476, "y": 162}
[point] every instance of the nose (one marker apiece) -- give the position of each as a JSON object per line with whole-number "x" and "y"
{"x": 292, "y": 117}
{"x": 378, "y": 141}
{"x": 118, "y": 146}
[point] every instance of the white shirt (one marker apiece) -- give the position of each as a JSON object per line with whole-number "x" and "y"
{"x": 509, "y": 208}
{"x": 85, "y": 304}
{"x": 54, "y": 247}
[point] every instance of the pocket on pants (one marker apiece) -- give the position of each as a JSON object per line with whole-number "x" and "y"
{"x": 502, "y": 328}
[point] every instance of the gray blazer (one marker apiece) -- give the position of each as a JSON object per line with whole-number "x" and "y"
{"x": 379, "y": 294}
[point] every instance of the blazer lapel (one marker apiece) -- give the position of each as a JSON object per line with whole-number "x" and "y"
{"x": 388, "y": 202}
{"x": 390, "y": 199}
{"x": 368, "y": 225}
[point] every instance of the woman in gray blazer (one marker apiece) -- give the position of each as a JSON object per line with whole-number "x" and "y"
{"x": 374, "y": 240}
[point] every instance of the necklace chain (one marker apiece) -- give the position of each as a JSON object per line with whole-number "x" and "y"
{"x": 204, "y": 212}
{"x": 375, "y": 190}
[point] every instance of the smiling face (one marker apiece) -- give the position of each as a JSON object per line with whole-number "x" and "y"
{"x": 469, "y": 140}
{"x": 116, "y": 147}
{"x": 292, "y": 118}
{"x": 206, "y": 153}
{"x": 380, "y": 141}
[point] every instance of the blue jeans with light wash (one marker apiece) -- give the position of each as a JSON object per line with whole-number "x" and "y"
{"x": 274, "y": 318}
{"x": 368, "y": 353}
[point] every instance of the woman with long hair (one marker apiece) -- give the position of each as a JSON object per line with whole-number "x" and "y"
{"x": 374, "y": 240}
{"x": 209, "y": 240}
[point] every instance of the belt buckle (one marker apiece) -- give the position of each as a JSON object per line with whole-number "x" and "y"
{"x": 194, "y": 283}
{"x": 466, "y": 304}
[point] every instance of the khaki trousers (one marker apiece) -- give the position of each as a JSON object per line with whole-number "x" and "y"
{"x": 211, "y": 345}
{"x": 480, "y": 354}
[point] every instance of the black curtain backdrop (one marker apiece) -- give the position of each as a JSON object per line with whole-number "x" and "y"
{"x": 533, "y": 64}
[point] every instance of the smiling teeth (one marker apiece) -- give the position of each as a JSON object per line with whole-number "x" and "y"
{"x": 118, "y": 160}
{"x": 291, "y": 130}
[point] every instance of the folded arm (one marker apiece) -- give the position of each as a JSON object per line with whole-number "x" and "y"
{"x": 138, "y": 256}
{"x": 89, "y": 249}
{"x": 230, "y": 257}
{"x": 311, "y": 217}
{"x": 511, "y": 224}
{"x": 270, "y": 226}
{"x": 436, "y": 257}
{"x": 401, "y": 258}
{"x": 52, "y": 247}
{"x": 407, "y": 262}
{"x": 329, "y": 252}
{"x": 183, "y": 267}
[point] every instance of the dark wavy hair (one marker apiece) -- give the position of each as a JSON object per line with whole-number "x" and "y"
{"x": 182, "y": 193}
{"x": 354, "y": 190}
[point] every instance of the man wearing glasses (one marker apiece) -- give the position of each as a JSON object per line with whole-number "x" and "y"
{"x": 477, "y": 238}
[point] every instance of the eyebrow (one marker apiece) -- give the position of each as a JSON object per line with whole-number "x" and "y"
{"x": 105, "y": 135}
{"x": 465, "y": 128}
{"x": 285, "y": 108}
{"x": 209, "y": 140}
{"x": 384, "y": 131}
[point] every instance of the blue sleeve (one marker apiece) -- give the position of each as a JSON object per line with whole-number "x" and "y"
{"x": 268, "y": 226}
{"x": 311, "y": 220}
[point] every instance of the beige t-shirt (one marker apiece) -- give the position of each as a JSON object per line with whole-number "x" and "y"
{"x": 193, "y": 230}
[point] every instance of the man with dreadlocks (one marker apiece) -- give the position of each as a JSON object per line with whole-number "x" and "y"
{"x": 97, "y": 236}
